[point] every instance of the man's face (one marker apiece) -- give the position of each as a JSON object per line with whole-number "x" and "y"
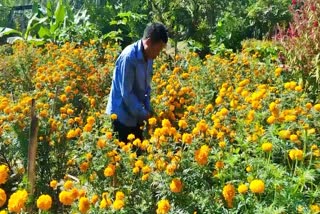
{"x": 154, "y": 49}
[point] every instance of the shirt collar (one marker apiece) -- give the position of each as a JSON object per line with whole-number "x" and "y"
{"x": 140, "y": 50}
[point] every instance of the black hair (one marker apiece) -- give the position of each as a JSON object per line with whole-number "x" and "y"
{"x": 156, "y": 32}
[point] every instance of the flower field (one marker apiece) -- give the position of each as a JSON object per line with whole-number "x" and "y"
{"x": 233, "y": 133}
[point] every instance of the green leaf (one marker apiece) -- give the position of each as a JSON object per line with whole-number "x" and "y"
{"x": 49, "y": 9}
{"x": 4, "y": 31}
{"x": 43, "y": 32}
{"x": 60, "y": 13}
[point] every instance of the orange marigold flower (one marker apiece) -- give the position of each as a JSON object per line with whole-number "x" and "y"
{"x": 44, "y": 202}
{"x": 4, "y": 173}
{"x": 17, "y": 201}
{"x": 229, "y": 193}
{"x": 176, "y": 185}
{"x": 84, "y": 204}
{"x": 3, "y": 197}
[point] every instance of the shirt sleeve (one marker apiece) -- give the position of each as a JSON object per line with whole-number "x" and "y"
{"x": 134, "y": 106}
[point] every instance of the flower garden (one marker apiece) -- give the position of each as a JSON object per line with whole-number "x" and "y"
{"x": 233, "y": 133}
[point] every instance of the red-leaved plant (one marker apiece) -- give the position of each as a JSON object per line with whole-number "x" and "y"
{"x": 301, "y": 41}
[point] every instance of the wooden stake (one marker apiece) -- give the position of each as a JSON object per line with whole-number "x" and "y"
{"x": 32, "y": 149}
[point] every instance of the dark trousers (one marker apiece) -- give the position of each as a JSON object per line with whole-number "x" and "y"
{"x": 123, "y": 131}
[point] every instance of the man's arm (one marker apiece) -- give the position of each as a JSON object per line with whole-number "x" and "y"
{"x": 135, "y": 107}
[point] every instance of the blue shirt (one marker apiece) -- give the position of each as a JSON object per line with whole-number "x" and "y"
{"x": 130, "y": 91}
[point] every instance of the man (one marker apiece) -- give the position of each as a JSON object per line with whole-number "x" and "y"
{"x": 130, "y": 91}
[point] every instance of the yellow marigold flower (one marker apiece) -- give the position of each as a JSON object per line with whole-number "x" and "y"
{"x": 119, "y": 195}
{"x": 242, "y": 188}
{"x": 91, "y": 120}
{"x": 3, "y": 197}
{"x": 218, "y": 100}
{"x": 118, "y": 204}
{"x": 17, "y": 201}
{"x": 257, "y": 186}
{"x": 131, "y": 137}
{"x": 176, "y": 185}
{"x": 71, "y": 134}
{"x": 182, "y": 124}
{"x": 4, "y": 173}
{"x": 315, "y": 208}
{"x": 109, "y": 170}
{"x": 152, "y": 121}
{"x": 139, "y": 163}
{"x": 53, "y": 184}
{"x": 163, "y": 206}
{"x": 187, "y": 138}
{"x": 317, "y": 107}
{"x": 84, "y": 204}
{"x": 271, "y": 119}
{"x": 166, "y": 123}
{"x": 68, "y": 185}
{"x": 294, "y": 137}
{"x": 266, "y": 147}
{"x": 278, "y": 71}
{"x": 284, "y": 134}
{"x": 145, "y": 177}
{"x": 222, "y": 144}
{"x": 296, "y": 154}
{"x": 66, "y": 198}
{"x": 44, "y": 202}
{"x": 105, "y": 203}
{"x": 228, "y": 194}
{"x": 114, "y": 116}
{"x": 101, "y": 143}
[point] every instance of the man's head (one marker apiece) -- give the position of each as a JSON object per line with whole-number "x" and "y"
{"x": 155, "y": 38}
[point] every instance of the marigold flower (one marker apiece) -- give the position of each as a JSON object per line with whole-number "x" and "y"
{"x": 114, "y": 116}
{"x": 131, "y": 137}
{"x": 317, "y": 107}
{"x": 53, "y": 184}
{"x": 3, "y": 197}
{"x": 68, "y": 185}
{"x": 201, "y": 155}
{"x": 17, "y": 201}
{"x": 4, "y": 173}
{"x": 176, "y": 185}
{"x": 163, "y": 206}
{"x": 182, "y": 124}
{"x": 66, "y": 198}
{"x": 266, "y": 147}
{"x": 44, "y": 202}
{"x": 119, "y": 195}
{"x": 187, "y": 138}
{"x": 109, "y": 170}
{"x": 284, "y": 134}
{"x": 91, "y": 120}
{"x": 296, "y": 154}
{"x": 152, "y": 121}
{"x": 257, "y": 186}
{"x": 242, "y": 188}
{"x": 228, "y": 193}
{"x": 118, "y": 204}
{"x": 84, "y": 204}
